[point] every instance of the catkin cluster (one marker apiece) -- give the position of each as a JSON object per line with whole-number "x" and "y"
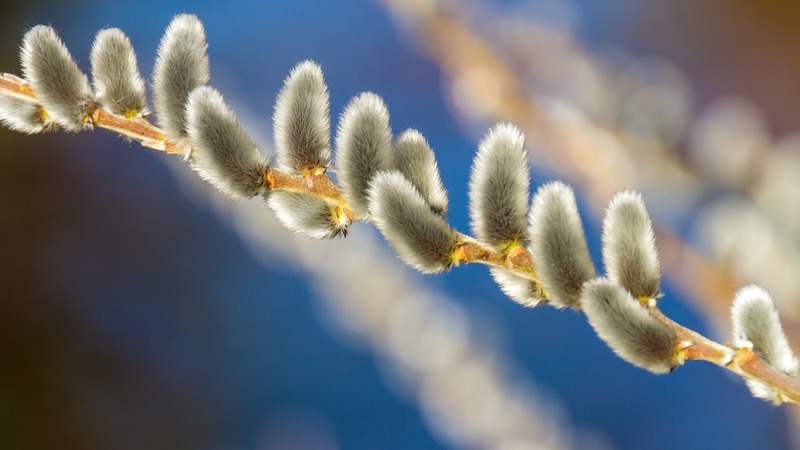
{"x": 535, "y": 248}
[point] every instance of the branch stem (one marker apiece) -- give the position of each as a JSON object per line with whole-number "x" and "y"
{"x": 150, "y": 136}
{"x": 519, "y": 262}
{"x": 741, "y": 361}
{"x": 694, "y": 346}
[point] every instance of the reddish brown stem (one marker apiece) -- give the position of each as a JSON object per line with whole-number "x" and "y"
{"x": 148, "y": 135}
{"x": 740, "y": 361}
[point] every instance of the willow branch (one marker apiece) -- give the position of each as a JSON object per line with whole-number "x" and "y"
{"x": 148, "y": 135}
{"x": 741, "y": 361}
{"x": 459, "y": 50}
{"x": 518, "y": 261}
{"x": 693, "y": 346}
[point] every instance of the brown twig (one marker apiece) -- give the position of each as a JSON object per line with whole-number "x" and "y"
{"x": 459, "y": 50}
{"x": 743, "y": 362}
{"x": 150, "y": 136}
{"x": 16, "y": 86}
{"x": 320, "y": 185}
{"x": 519, "y": 261}
{"x": 693, "y": 345}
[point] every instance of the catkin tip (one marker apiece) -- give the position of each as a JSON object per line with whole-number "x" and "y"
{"x": 416, "y": 161}
{"x": 223, "y": 153}
{"x": 181, "y": 65}
{"x": 302, "y": 120}
{"x": 117, "y": 82}
{"x": 628, "y": 328}
{"x": 308, "y": 214}
{"x": 558, "y": 245}
{"x": 756, "y": 323}
{"x": 499, "y": 186}
{"x": 629, "y": 248}
{"x": 522, "y": 290}
{"x": 364, "y": 147}
{"x": 24, "y": 115}
{"x": 419, "y": 236}
{"x": 59, "y": 84}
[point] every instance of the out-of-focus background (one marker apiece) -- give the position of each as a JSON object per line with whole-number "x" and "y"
{"x": 133, "y": 314}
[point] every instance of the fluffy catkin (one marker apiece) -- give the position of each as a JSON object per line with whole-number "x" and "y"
{"x": 415, "y": 160}
{"x": 224, "y": 155}
{"x": 59, "y": 84}
{"x": 756, "y": 323}
{"x": 419, "y": 236}
{"x": 498, "y": 187}
{"x": 629, "y": 247}
{"x": 558, "y": 245}
{"x": 302, "y": 120}
{"x": 308, "y": 214}
{"x": 364, "y": 147}
{"x": 520, "y": 289}
{"x": 181, "y": 65}
{"x": 117, "y": 82}
{"x": 627, "y": 327}
{"x": 24, "y": 115}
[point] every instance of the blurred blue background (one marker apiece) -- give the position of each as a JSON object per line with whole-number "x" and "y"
{"x": 133, "y": 318}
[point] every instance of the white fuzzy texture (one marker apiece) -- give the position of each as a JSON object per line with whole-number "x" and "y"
{"x": 558, "y": 245}
{"x": 629, "y": 246}
{"x": 756, "y": 324}
{"x": 499, "y": 187}
{"x": 181, "y": 65}
{"x": 416, "y": 161}
{"x": 627, "y": 327}
{"x": 23, "y": 115}
{"x": 59, "y": 84}
{"x": 364, "y": 147}
{"x": 520, "y": 289}
{"x": 419, "y": 236}
{"x": 117, "y": 81}
{"x": 223, "y": 153}
{"x": 302, "y": 120}
{"x": 307, "y": 214}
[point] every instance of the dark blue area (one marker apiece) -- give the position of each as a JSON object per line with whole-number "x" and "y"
{"x": 243, "y": 341}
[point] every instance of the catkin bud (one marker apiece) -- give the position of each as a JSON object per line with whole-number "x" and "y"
{"x": 756, "y": 324}
{"x": 308, "y": 214}
{"x": 181, "y": 65}
{"x": 59, "y": 84}
{"x": 24, "y": 115}
{"x": 421, "y": 237}
{"x": 364, "y": 147}
{"x": 558, "y": 245}
{"x": 498, "y": 187}
{"x": 629, "y": 247}
{"x": 628, "y": 328}
{"x": 302, "y": 121}
{"x": 522, "y": 290}
{"x": 416, "y": 161}
{"x": 117, "y": 81}
{"x": 224, "y": 155}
